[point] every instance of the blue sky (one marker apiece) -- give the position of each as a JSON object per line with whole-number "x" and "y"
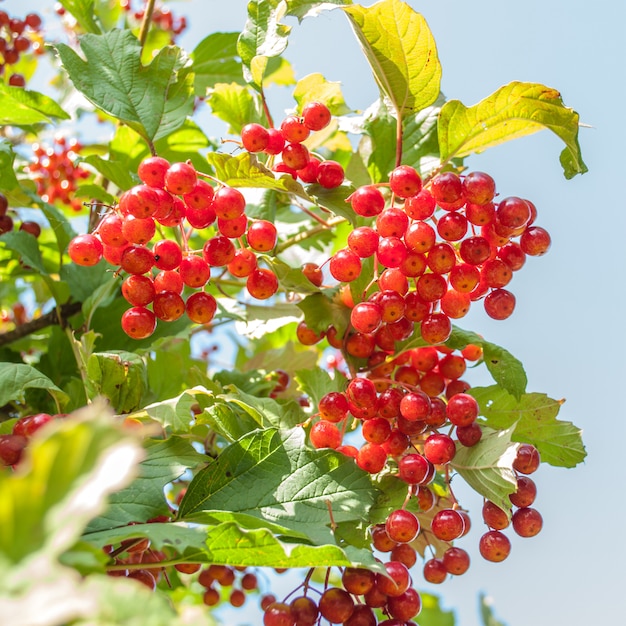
{"x": 567, "y": 327}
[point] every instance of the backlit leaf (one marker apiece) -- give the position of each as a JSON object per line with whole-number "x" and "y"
{"x": 532, "y": 419}
{"x": 515, "y": 110}
{"x": 488, "y": 466}
{"x": 401, "y": 51}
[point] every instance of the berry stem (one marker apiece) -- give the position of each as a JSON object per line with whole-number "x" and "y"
{"x": 399, "y": 140}
{"x": 145, "y": 22}
{"x": 292, "y": 241}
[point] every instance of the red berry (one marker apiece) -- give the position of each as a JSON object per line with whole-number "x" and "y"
{"x": 138, "y": 322}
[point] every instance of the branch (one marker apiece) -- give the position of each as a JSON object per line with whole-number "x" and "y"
{"x": 56, "y": 316}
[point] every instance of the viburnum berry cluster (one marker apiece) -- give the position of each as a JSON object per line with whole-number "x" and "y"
{"x": 155, "y": 274}
{"x": 287, "y": 141}
{"x": 56, "y": 171}
{"x": 17, "y": 36}
{"x": 413, "y": 413}
{"x": 436, "y": 249}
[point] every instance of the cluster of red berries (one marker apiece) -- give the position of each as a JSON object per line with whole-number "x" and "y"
{"x": 352, "y": 604}
{"x": 172, "y": 195}
{"x": 12, "y": 445}
{"x": 437, "y": 249}
{"x": 414, "y": 412}
{"x": 7, "y": 224}
{"x": 16, "y": 37}
{"x": 162, "y": 18}
{"x": 56, "y": 172}
{"x": 287, "y": 141}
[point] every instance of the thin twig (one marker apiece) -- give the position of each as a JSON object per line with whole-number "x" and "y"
{"x": 57, "y": 316}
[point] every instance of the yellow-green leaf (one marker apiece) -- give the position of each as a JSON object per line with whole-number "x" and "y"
{"x": 515, "y": 110}
{"x": 401, "y": 51}
{"x": 315, "y": 87}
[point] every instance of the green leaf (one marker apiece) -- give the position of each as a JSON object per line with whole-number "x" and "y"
{"x": 21, "y": 107}
{"x": 263, "y": 37}
{"x": 8, "y": 180}
{"x": 272, "y": 474}
{"x": 487, "y": 467}
{"x": 515, "y": 110}
{"x": 334, "y": 200}
{"x": 83, "y": 11}
{"x": 432, "y": 614}
{"x": 120, "y": 377}
{"x": 113, "y": 79}
{"x": 69, "y": 468}
{"x": 312, "y": 8}
{"x": 215, "y": 60}
{"x": 15, "y": 378}
{"x": 315, "y": 88}
{"x": 143, "y": 499}
{"x": 235, "y": 105}
{"x": 115, "y": 171}
{"x": 533, "y": 420}
{"x": 26, "y": 247}
{"x": 505, "y": 369}
{"x": 317, "y": 382}
{"x": 320, "y": 312}
{"x": 175, "y": 414}
{"x": 401, "y": 51}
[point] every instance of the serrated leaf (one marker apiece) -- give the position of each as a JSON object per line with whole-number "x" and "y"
{"x": 26, "y": 247}
{"x": 22, "y": 107}
{"x": 315, "y": 88}
{"x": 320, "y": 312}
{"x": 15, "y": 378}
{"x": 272, "y": 474}
{"x": 533, "y": 420}
{"x": 401, "y": 51}
{"x": 515, "y": 110}
{"x": 70, "y": 466}
{"x": 317, "y": 382}
{"x": 312, "y": 8}
{"x": 113, "y": 79}
{"x": 505, "y": 369}
{"x": 83, "y": 11}
{"x": 143, "y": 499}
{"x": 291, "y": 278}
{"x": 487, "y": 467}
{"x": 215, "y": 60}
{"x": 263, "y": 37}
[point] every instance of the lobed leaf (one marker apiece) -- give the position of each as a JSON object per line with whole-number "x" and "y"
{"x": 487, "y": 467}
{"x": 532, "y": 418}
{"x": 315, "y": 88}
{"x": 83, "y": 11}
{"x": 515, "y": 110}
{"x": 151, "y": 99}
{"x": 320, "y": 312}
{"x": 401, "y": 51}
{"x": 317, "y": 382}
